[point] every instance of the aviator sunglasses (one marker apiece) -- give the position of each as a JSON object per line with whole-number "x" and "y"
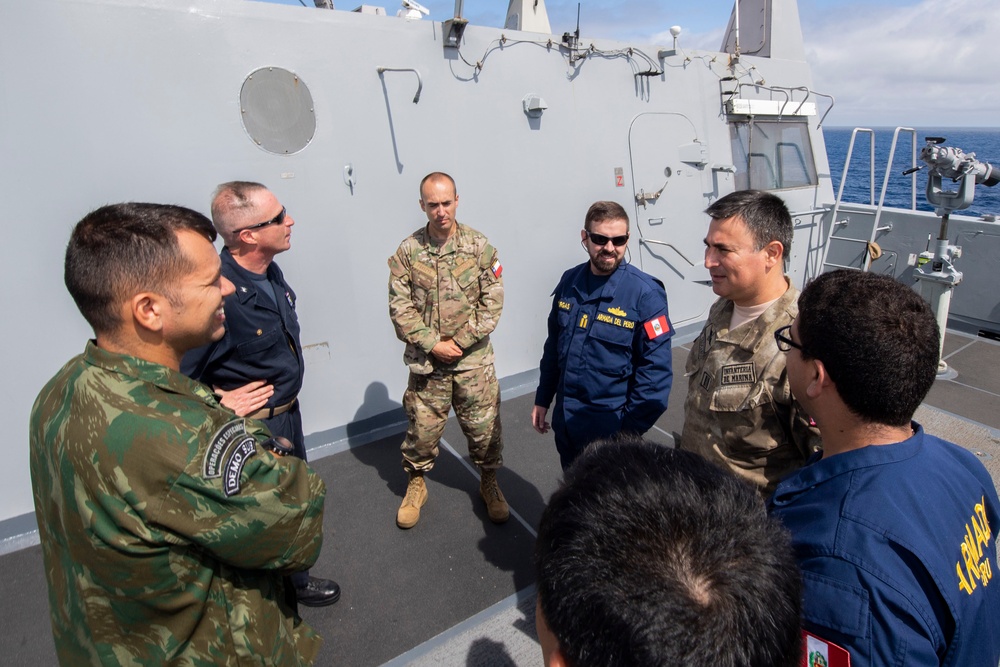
{"x": 276, "y": 220}
{"x": 601, "y": 239}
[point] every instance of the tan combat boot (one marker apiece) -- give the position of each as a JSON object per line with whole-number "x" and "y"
{"x": 496, "y": 504}
{"x": 416, "y": 496}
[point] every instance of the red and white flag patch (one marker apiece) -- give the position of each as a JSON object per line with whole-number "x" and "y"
{"x": 821, "y": 653}
{"x": 657, "y": 327}
{"x": 496, "y": 268}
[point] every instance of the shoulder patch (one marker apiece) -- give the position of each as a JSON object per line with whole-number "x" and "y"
{"x": 657, "y": 327}
{"x": 496, "y": 268}
{"x": 235, "y": 462}
{"x": 738, "y": 374}
{"x": 230, "y": 432}
{"x": 821, "y": 653}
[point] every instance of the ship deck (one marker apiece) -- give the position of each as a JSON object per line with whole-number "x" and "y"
{"x": 456, "y": 589}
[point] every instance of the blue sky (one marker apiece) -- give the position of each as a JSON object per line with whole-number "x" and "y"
{"x": 921, "y": 63}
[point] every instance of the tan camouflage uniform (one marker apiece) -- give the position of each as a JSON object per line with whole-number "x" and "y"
{"x": 440, "y": 292}
{"x": 165, "y": 528}
{"x": 739, "y": 410}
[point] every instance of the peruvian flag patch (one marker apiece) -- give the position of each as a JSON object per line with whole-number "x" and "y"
{"x": 821, "y": 653}
{"x": 657, "y": 327}
{"x": 496, "y": 268}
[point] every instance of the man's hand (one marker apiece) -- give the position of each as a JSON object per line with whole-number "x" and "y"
{"x": 447, "y": 351}
{"x": 247, "y": 399}
{"x": 538, "y": 419}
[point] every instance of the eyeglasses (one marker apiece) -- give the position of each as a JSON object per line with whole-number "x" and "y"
{"x": 601, "y": 239}
{"x": 276, "y": 220}
{"x": 785, "y": 343}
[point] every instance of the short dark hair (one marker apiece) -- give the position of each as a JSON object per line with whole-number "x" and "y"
{"x": 600, "y": 211}
{"x": 433, "y": 176}
{"x": 654, "y": 556}
{"x": 764, "y": 214}
{"x": 121, "y": 249}
{"x": 877, "y": 338}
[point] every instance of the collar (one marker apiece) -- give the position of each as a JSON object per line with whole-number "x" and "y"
{"x": 818, "y": 470}
{"x": 146, "y": 371}
{"x": 750, "y": 336}
{"x": 610, "y": 287}
{"x": 243, "y": 280}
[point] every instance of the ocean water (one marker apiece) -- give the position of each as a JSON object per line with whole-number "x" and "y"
{"x": 984, "y": 142}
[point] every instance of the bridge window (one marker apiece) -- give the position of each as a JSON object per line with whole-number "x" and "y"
{"x": 772, "y": 155}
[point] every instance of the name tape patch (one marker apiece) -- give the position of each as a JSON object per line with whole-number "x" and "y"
{"x": 738, "y": 374}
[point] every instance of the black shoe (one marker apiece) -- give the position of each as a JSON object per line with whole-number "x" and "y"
{"x": 318, "y": 592}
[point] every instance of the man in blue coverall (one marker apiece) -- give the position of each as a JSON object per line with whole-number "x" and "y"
{"x": 895, "y": 530}
{"x": 607, "y": 357}
{"x": 257, "y": 367}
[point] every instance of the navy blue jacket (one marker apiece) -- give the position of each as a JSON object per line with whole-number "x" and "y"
{"x": 261, "y": 340}
{"x": 898, "y": 550}
{"x": 604, "y": 358}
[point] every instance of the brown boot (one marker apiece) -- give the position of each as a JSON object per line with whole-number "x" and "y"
{"x": 416, "y": 496}
{"x": 496, "y": 504}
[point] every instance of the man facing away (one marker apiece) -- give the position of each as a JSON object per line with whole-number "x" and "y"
{"x": 607, "y": 356}
{"x": 739, "y": 410}
{"x": 257, "y": 366}
{"x": 166, "y": 524}
{"x": 445, "y": 298}
{"x": 895, "y": 530}
{"x": 653, "y": 556}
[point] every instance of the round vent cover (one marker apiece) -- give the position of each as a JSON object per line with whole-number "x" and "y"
{"x": 277, "y": 110}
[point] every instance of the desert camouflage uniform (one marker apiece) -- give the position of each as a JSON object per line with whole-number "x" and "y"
{"x": 165, "y": 528}
{"x": 739, "y": 410}
{"x": 435, "y": 293}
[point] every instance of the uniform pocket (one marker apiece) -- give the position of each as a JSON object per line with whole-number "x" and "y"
{"x": 265, "y": 340}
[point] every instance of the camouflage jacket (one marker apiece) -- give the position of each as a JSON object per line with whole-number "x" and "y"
{"x": 739, "y": 410}
{"x": 165, "y": 528}
{"x": 441, "y": 292}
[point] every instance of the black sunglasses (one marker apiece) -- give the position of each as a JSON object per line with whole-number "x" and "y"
{"x": 785, "y": 343}
{"x": 601, "y": 239}
{"x": 276, "y": 220}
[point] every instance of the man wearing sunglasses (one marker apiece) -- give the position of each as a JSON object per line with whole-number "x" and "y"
{"x": 739, "y": 410}
{"x": 606, "y": 360}
{"x": 257, "y": 367}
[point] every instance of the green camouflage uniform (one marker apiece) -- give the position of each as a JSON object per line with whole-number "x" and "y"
{"x": 438, "y": 292}
{"x": 165, "y": 528}
{"x": 739, "y": 410}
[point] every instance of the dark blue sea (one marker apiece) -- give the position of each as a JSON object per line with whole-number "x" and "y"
{"x": 984, "y": 142}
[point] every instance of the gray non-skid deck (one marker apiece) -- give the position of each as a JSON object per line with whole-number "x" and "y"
{"x": 456, "y": 589}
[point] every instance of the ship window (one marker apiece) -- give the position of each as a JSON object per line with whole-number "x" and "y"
{"x": 772, "y": 155}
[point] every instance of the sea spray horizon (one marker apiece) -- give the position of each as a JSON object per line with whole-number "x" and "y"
{"x": 984, "y": 142}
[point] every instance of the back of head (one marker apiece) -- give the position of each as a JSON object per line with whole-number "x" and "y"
{"x": 233, "y": 208}
{"x": 600, "y": 211}
{"x": 764, "y": 214}
{"x": 654, "y": 556}
{"x": 119, "y": 250}
{"x": 877, "y": 338}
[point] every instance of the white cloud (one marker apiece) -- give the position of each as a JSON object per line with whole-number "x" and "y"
{"x": 926, "y": 64}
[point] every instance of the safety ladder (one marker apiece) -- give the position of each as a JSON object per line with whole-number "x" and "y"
{"x": 835, "y": 223}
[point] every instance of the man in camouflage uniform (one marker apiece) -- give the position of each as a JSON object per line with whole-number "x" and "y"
{"x": 739, "y": 410}
{"x": 445, "y": 298}
{"x": 166, "y": 524}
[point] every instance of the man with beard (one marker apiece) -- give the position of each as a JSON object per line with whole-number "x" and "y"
{"x": 739, "y": 411}
{"x": 607, "y": 357}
